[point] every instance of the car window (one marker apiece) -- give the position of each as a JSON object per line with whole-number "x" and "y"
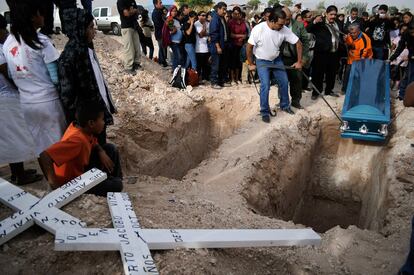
{"x": 104, "y": 12}
{"x": 95, "y": 13}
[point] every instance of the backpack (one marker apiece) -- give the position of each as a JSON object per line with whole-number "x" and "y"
{"x": 178, "y": 78}
{"x": 192, "y": 77}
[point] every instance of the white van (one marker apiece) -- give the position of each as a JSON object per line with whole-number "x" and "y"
{"x": 107, "y": 19}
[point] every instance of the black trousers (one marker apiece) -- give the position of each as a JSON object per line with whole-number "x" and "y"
{"x": 324, "y": 65}
{"x": 203, "y": 66}
{"x": 147, "y": 42}
{"x": 295, "y": 81}
{"x": 113, "y": 183}
{"x": 346, "y": 77}
{"x": 224, "y": 65}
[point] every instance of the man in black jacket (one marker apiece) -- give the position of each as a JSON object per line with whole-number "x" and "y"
{"x": 326, "y": 59}
{"x": 158, "y": 20}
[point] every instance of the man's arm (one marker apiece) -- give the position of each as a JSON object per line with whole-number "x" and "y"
{"x": 298, "y": 64}
{"x": 304, "y": 38}
{"x": 46, "y": 164}
{"x": 400, "y": 48}
{"x": 249, "y": 54}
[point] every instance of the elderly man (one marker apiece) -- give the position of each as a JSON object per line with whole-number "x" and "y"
{"x": 264, "y": 42}
{"x": 359, "y": 47}
{"x": 289, "y": 56}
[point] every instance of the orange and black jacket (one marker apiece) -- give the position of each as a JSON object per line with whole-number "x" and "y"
{"x": 359, "y": 48}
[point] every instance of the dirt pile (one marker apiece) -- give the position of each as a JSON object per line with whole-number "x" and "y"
{"x": 203, "y": 159}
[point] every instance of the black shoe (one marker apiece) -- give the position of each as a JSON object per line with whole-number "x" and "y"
{"x": 332, "y": 94}
{"x": 314, "y": 97}
{"x": 136, "y": 66}
{"x": 266, "y": 119}
{"x": 131, "y": 71}
{"x": 288, "y": 110}
{"x": 297, "y": 106}
{"x": 26, "y": 172}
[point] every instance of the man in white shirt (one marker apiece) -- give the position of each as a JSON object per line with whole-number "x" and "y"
{"x": 264, "y": 42}
{"x": 201, "y": 47}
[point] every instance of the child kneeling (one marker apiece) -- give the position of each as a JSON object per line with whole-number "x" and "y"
{"x": 78, "y": 151}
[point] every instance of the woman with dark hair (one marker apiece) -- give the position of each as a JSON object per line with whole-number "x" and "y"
{"x": 32, "y": 63}
{"x": 16, "y": 142}
{"x": 299, "y": 18}
{"x": 147, "y": 28}
{"x": 190, "y": 40}
{"x": 81, "y": 77}
{"x": 238, "y": 35}
{"x": 407, "y": 17}
{"x": 174, "y": 27}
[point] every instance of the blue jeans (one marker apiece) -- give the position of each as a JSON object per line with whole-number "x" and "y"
{"x": 191, "y": 56}
{"x": 176, "y": 55}
{"x": 281, "y": 78}
{"x": 408, "y": 78}
{"x": 215, "y": 62}
{"x": 162, "y": 52}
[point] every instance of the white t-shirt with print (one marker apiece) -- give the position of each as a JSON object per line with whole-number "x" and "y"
{"x": 201, "y": 42}
{"x": 27, "y": 68}
{"x": 267, "y": 42}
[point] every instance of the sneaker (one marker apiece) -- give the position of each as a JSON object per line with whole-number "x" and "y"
{"x": 297, "y": 106}
{"x": 216, "y": 87}
{"x": 266, "y": 119}
{"x": 227, "y": 84}
{"x": 314, "y": 97}
{"x": 332, "y": 94}
{"x": 136, "y": 66}
{"x": 233, "y": 83}
{"x": 288, "y": 110}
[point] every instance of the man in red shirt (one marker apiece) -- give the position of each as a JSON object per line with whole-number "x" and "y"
{"x": 79, "y": 151}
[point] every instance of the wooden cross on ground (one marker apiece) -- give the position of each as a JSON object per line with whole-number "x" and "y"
{"x": 134, "y": 243}
{"x": 44, "y": 212}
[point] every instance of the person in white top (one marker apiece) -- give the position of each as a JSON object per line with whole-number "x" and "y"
{"x": 264, "y": 42}
{"x": 201, "y": 47}
{"x": 16, "y": 143}
{"x": 31, "y": 59}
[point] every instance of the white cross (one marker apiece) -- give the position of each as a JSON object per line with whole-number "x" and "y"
{"x": 43, "y": 212}
{"x": 134, "y": 243}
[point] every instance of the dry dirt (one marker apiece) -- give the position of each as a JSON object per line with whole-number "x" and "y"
{"x": 203, "y": 159}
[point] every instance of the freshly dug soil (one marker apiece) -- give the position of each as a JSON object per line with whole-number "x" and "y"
{"x": 203, "y": 159}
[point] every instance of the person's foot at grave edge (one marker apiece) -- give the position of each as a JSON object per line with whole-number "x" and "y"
{"x": 79, "y": 150}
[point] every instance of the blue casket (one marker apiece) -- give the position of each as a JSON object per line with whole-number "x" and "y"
{"x": 366, "y": 110}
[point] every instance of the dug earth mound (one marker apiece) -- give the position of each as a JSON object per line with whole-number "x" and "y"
{"x": 203, "y": 159}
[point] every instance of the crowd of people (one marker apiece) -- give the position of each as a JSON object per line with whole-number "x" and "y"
{"x": 216, "y": 43}
{"x": 48, "y": 91}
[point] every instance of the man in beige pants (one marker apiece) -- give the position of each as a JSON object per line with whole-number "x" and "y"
{"x": 128, "y": 12}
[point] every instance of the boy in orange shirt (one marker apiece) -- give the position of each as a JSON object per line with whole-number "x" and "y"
{"x": 359, "y": 47}
{"x": 79, "y": 151}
